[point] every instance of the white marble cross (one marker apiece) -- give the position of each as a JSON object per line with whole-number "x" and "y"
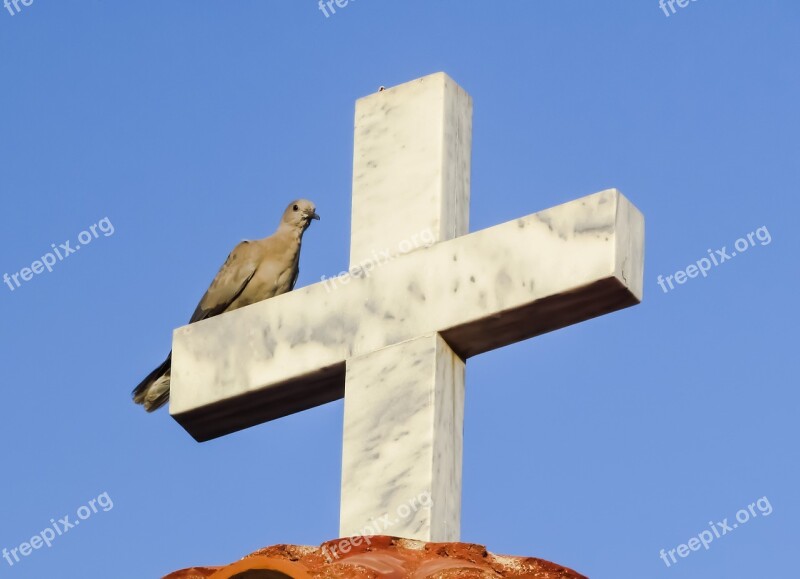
{"x": 424, "y": 296}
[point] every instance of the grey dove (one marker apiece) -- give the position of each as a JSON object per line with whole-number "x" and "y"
{"x": 254, "y": 271}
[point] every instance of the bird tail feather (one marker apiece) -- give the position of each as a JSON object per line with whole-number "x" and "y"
{"x": 153, "y": 391}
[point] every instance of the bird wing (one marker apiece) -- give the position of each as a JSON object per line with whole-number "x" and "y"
{"x": 230, "y": 282}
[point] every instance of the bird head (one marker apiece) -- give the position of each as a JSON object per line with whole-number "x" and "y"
{"x": 299, "y": 214}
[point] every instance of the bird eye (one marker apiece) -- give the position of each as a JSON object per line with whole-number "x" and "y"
{"x": 296, "y": 208}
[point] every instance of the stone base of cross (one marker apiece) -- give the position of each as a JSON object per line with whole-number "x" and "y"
{"x": 394, "y": 339}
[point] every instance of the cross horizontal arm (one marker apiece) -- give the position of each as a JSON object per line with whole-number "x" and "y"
{"x": 480, "y": 291}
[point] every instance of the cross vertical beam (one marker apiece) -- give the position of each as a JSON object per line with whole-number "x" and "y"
{"x": 411, "y": 165}
{"x": 404, "y": 404}
{"x": 403, "y": 439}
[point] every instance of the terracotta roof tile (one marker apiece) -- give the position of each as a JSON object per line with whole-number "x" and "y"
{"x": 380, "y": 557}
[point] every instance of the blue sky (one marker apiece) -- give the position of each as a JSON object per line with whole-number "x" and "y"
{"x": 190, "y": 125}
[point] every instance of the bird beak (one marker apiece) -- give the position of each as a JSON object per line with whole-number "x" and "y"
{"x": 314, "y": 215}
